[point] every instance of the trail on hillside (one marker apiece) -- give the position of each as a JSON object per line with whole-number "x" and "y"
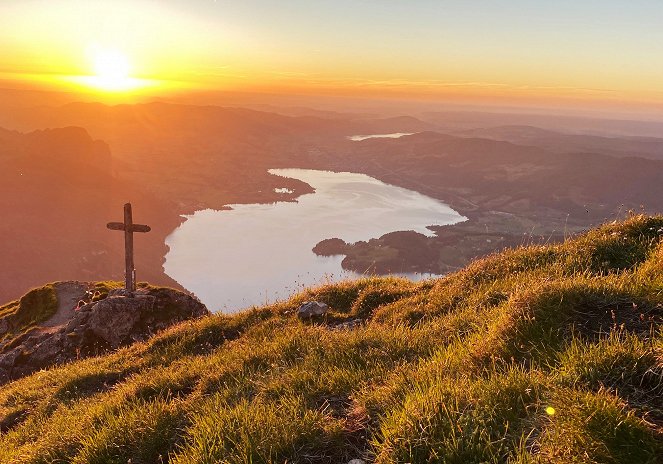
{"x": 69, "y": 293}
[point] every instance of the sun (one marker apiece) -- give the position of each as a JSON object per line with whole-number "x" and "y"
{"x": 111, "y": 70}
{"x": 110, "y": 73}
{"x": 111, "y": 77}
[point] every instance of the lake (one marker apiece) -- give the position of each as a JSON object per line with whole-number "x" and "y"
{"x": 257, "y": 253}
{"x": 393, "y": 135}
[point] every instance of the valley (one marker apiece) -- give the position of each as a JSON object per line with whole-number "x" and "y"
{"x": 173, "y": 160}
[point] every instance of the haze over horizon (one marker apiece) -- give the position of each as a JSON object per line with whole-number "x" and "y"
{"x": 591, "y": 55}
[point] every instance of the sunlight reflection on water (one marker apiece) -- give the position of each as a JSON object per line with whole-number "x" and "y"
{"x": 395, "y": 135}
{"x": 257, "y": 253}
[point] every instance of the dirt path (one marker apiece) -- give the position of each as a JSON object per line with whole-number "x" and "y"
{"x": 69, "y": 293}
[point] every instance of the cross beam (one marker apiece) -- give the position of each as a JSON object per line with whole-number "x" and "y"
{"x": 129, "y": 228}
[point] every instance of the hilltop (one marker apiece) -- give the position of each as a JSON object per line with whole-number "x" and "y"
{"x": 536, "y": 354}
{"x": 64, "y": 321}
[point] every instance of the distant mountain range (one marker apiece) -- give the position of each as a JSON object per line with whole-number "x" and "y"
{"x": 647, "y": 147}
{"x": 60, "y": 186}
{"x": 453, "y": 121}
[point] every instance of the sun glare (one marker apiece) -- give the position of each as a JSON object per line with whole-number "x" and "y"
{"x": 110, "y": 72}
{"x": 111, "y": 68}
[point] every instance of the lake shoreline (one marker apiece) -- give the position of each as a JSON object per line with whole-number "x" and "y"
{"x": 354, "y": 205}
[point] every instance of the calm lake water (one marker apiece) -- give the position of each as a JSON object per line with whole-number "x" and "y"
{"x": 259, "y": 253}
{"x": 394, "y": 135}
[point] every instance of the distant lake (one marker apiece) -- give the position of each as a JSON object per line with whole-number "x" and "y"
{"x": 394, "y": 135}
{"x": 257, "y": 253}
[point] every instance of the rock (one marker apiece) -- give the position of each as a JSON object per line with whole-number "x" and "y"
{"x": 96, "y": 328}
{"x": 115, "y": 318}
{"x": 312, "y": 308}
{"x": 120, "y": 292}
{"x": 347, "y": 325}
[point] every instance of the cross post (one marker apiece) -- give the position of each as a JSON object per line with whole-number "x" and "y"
{"x": 129, "y": 228}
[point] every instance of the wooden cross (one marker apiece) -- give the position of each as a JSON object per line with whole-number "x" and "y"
{"x": 129, "y": 228}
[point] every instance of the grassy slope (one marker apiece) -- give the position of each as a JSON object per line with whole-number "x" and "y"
{"x": 35, "y": 306}
{"x": 468, "y": 368}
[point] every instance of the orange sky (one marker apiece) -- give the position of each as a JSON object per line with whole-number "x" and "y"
{"x": 585, "y": 53}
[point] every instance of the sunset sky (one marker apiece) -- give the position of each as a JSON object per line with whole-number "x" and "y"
{"x": 581, "y": 50}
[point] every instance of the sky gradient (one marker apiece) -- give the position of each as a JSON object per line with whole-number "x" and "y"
{"x": 596, "y": 51}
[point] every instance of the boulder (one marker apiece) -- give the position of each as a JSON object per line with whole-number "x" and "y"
{"x": 312, "y": 308}
{"x": 114, "y": 318}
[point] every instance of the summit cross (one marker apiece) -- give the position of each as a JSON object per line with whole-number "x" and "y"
{"x": 129, "y": 228}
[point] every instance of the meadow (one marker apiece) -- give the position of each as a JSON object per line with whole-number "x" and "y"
{"x": 545, "y": 353}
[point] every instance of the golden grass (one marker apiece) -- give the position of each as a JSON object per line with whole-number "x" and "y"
{"x": 538, "y": 354}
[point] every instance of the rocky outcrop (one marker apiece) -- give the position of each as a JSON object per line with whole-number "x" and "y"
{"x": 116, "y": 320}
